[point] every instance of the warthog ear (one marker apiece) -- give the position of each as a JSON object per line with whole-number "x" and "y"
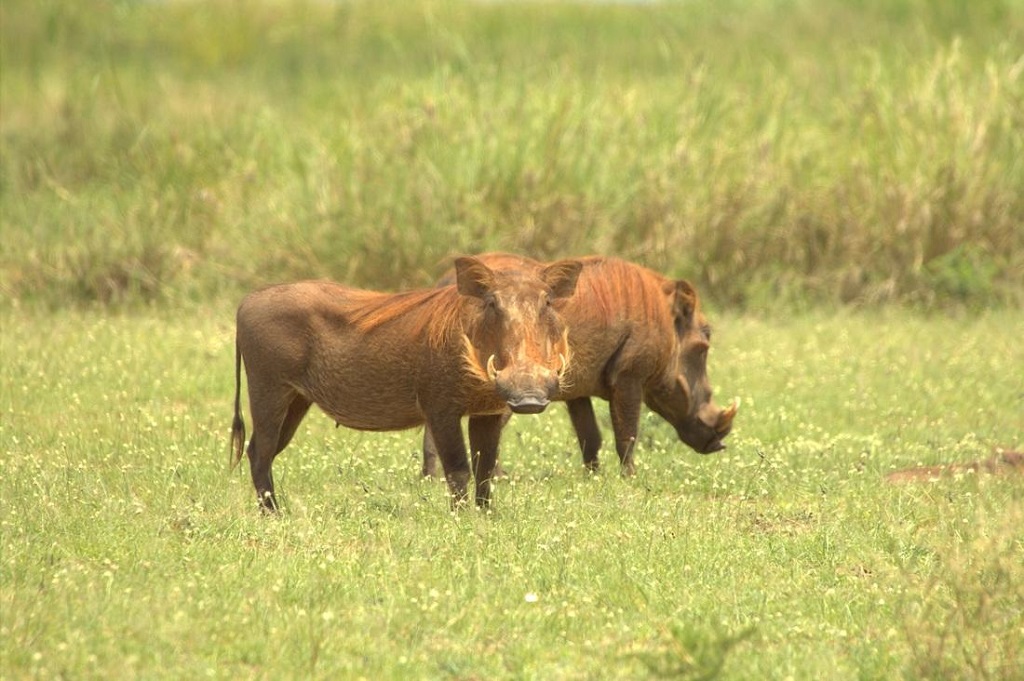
{"x": 473, "y": 277}
{"x": 561, "y": 277}
{"x": 683, "y": 299}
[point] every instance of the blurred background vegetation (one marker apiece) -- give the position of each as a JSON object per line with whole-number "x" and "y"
{"x": 776, "y": 152}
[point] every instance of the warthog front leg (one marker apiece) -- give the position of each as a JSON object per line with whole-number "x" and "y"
{"x": 581, "y": 411}
{"x": 429, "y": 454}
{"x": 451, "y": 449}
{"x": 624, "y": 404}
{"x": 484, "y": 435}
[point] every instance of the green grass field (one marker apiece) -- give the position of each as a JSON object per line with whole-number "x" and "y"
{"x": 842, "y": 180}
{"x": 130, "y": 551}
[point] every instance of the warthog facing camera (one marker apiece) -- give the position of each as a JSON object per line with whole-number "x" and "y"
{"x": 490, "y": 343}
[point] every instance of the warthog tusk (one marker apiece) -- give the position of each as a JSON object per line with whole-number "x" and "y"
{"x": 565, "y": 364}
{"x": 492, "y": 371}
{"x": 726, "y": 417}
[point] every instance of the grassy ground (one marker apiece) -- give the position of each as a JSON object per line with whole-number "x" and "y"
{"x": 130, "y": 551}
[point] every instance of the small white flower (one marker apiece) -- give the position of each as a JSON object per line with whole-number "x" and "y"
{"x": 530, "y": 597}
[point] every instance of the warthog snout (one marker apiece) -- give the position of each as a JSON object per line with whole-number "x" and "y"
{"x": 706, "y": 432}
{"x": 529, "y": 405}
{"x": 526, "y": 391}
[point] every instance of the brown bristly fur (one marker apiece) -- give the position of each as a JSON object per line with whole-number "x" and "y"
{"x": 472, "y": 362}
{"x": 563, "y": 377}
{"x": 619, "y": 290}
{"x": 435, "y": 311}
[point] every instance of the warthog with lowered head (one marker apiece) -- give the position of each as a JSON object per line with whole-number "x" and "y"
{"x": 637, "y": 337}
{"x": 490, "y": 343}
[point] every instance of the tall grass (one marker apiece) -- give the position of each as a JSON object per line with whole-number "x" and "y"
{"x": 823, "y": 152}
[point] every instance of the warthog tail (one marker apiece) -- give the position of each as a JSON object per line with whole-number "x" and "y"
{"x": 237, "y": 425}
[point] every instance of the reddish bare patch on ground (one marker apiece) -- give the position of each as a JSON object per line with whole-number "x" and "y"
{"x": 1003, "y": 462}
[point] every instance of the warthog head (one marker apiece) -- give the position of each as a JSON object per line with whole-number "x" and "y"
{"x": 515, "y": 338}
{"x": 683, "y": 395}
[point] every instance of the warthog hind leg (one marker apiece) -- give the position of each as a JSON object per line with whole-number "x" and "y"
{"x": 581, "y": 411}
{"x": 274, "y": 424}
